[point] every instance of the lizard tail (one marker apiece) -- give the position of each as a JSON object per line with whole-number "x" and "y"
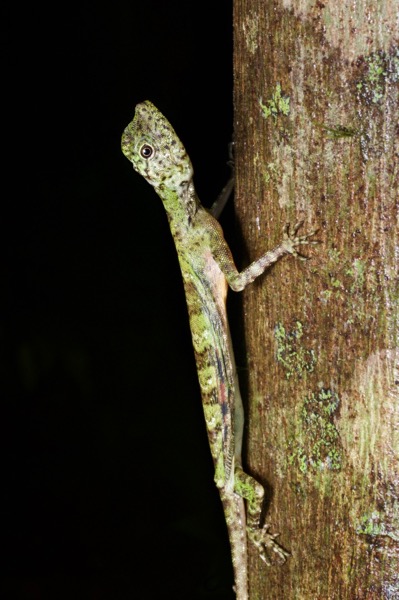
{"x": 233, "y": 506}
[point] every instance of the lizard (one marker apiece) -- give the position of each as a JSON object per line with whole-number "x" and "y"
{"x": 208, "y": 269}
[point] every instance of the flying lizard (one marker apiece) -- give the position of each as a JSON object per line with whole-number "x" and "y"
{"x": 208, "y": 269}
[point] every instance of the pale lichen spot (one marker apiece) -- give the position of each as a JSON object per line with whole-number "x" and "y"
{"x": 213, "y": 416}
{"x": 208, "y": 379}
{"x": 250, "y": 27}
{"x": 220, "y": 474}
{"x": 202, "y": 339}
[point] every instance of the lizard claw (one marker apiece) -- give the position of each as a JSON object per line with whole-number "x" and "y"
{"x": 292, "y": 240}
{"x": 265, "y": 542}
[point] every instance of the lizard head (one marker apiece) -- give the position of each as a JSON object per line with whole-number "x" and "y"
{"x": 153, "y": 147}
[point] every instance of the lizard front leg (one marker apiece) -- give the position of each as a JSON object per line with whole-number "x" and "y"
{"x": 221, "y": 201}
{"x": 238, "y": 280}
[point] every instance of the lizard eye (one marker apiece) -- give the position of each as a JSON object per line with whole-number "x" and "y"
{"x": 146, "y": 151}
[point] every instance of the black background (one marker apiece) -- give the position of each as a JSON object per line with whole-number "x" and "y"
{"x": 107, "y": 477}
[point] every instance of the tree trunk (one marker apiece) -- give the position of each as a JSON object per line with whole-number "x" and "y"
{"x": 316, "y": 139}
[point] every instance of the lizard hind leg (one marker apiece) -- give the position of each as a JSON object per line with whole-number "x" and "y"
{"x": 253, "y": 492}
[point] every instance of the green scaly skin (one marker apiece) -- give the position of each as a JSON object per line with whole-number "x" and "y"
{"x": 207, "y": 267}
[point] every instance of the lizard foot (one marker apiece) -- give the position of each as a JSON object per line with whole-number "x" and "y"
{"x": 266, "y": 543}
{"x": 292, "y": 240}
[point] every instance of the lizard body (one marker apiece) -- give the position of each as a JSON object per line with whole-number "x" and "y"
{"x": 208, "y": 269}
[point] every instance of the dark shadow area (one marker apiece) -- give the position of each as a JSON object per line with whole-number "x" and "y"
{"x": 108, "y": 486}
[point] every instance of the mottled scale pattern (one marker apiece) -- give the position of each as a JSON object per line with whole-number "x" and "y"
{"x": 208, "y": 268}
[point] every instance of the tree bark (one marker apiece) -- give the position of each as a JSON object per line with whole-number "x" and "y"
{"x": 316, "y": 138}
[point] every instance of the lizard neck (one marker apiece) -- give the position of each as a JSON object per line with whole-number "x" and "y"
{"x": 181, "y": 203}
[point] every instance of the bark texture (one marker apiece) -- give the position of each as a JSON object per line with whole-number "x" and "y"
{"x": 317, "y": 138}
